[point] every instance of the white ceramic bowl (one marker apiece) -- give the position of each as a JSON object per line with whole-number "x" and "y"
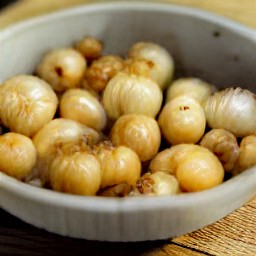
{"x": 203, "y": 45}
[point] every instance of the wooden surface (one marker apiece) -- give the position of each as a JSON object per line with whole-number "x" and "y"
{"x": 233, "y": 235}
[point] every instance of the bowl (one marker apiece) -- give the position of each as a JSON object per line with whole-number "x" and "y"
{"x": 203, "y": 45}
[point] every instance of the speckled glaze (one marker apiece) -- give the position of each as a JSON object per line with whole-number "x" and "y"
{"x": 204, "y": 45}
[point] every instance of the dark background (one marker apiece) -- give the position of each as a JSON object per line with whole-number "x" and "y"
{"x": 4, "y": 3}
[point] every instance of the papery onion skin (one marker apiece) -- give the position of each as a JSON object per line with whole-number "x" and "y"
{"x": 26, "y": 104}
{"x": 17, "y": 155}
{"x": 131, "y": 94}
{"x": 138, "y": 132}
{"x": 233, "y": 109}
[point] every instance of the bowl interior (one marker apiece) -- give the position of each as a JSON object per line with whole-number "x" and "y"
{"x": 203, "y": 45}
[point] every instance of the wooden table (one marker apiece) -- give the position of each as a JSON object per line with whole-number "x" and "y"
{"x": 233, "y": 235}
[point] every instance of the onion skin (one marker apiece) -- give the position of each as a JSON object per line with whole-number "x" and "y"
{"x": 233, "y": 109}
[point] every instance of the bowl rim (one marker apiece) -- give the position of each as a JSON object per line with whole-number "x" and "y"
{"x": 100, "y": 204}
{"x": 135, "y": 6}
{"x": 136, "y": 203}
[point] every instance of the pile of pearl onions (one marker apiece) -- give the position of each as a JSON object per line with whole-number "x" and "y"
{"x": 163, "y": 64}
{"x": 182, "y": 120}
{"x": 17, "y": 155}
{"x": 26, "y": 104}
{"x": 192, "y": 87}
{"x": 62, "y": 68}
{"x": 77, "y": 173}
{"x": 195, "y": 167}
{"x": 83, "y": 107}
{"x": 168, "y": 159}
{"x": 138, "y": 132}
{"x": 58, "y": 132}
{"x": 128, "y": 93}
{"x": 233, "y": 109}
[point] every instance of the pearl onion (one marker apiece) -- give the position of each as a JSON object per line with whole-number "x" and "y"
{"x": 158, "y": 183}
{"x": 62, "y": 68}
{"x": 17, "y": 155}
{"x": 59, "y": 132}
{"x": 232, "y": 109}
{"x": 83, "y": 107}
{"x": 26, "y": 103}
{"x": 139, "y": 66}
{"x": 138, "y": 132}
{"x": 163, "y": 69}
{"x": 53, "y": 136}
{"x": 89, "y": 47}
{"x": 78, "y": 173}
{"x": 127, "y": 94}
{"x": 168, "y": 159}
{"x": 182, "y": 120}
{"x": 195, "y": 167}
{"x": 247, "y": 156}
{"x": 199, "y": 170}
{"x": 102, "y": 70}
{"x": 224, "y": 145}
{"x": 119, "y": 165}
{"x": 192, "y": 87}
